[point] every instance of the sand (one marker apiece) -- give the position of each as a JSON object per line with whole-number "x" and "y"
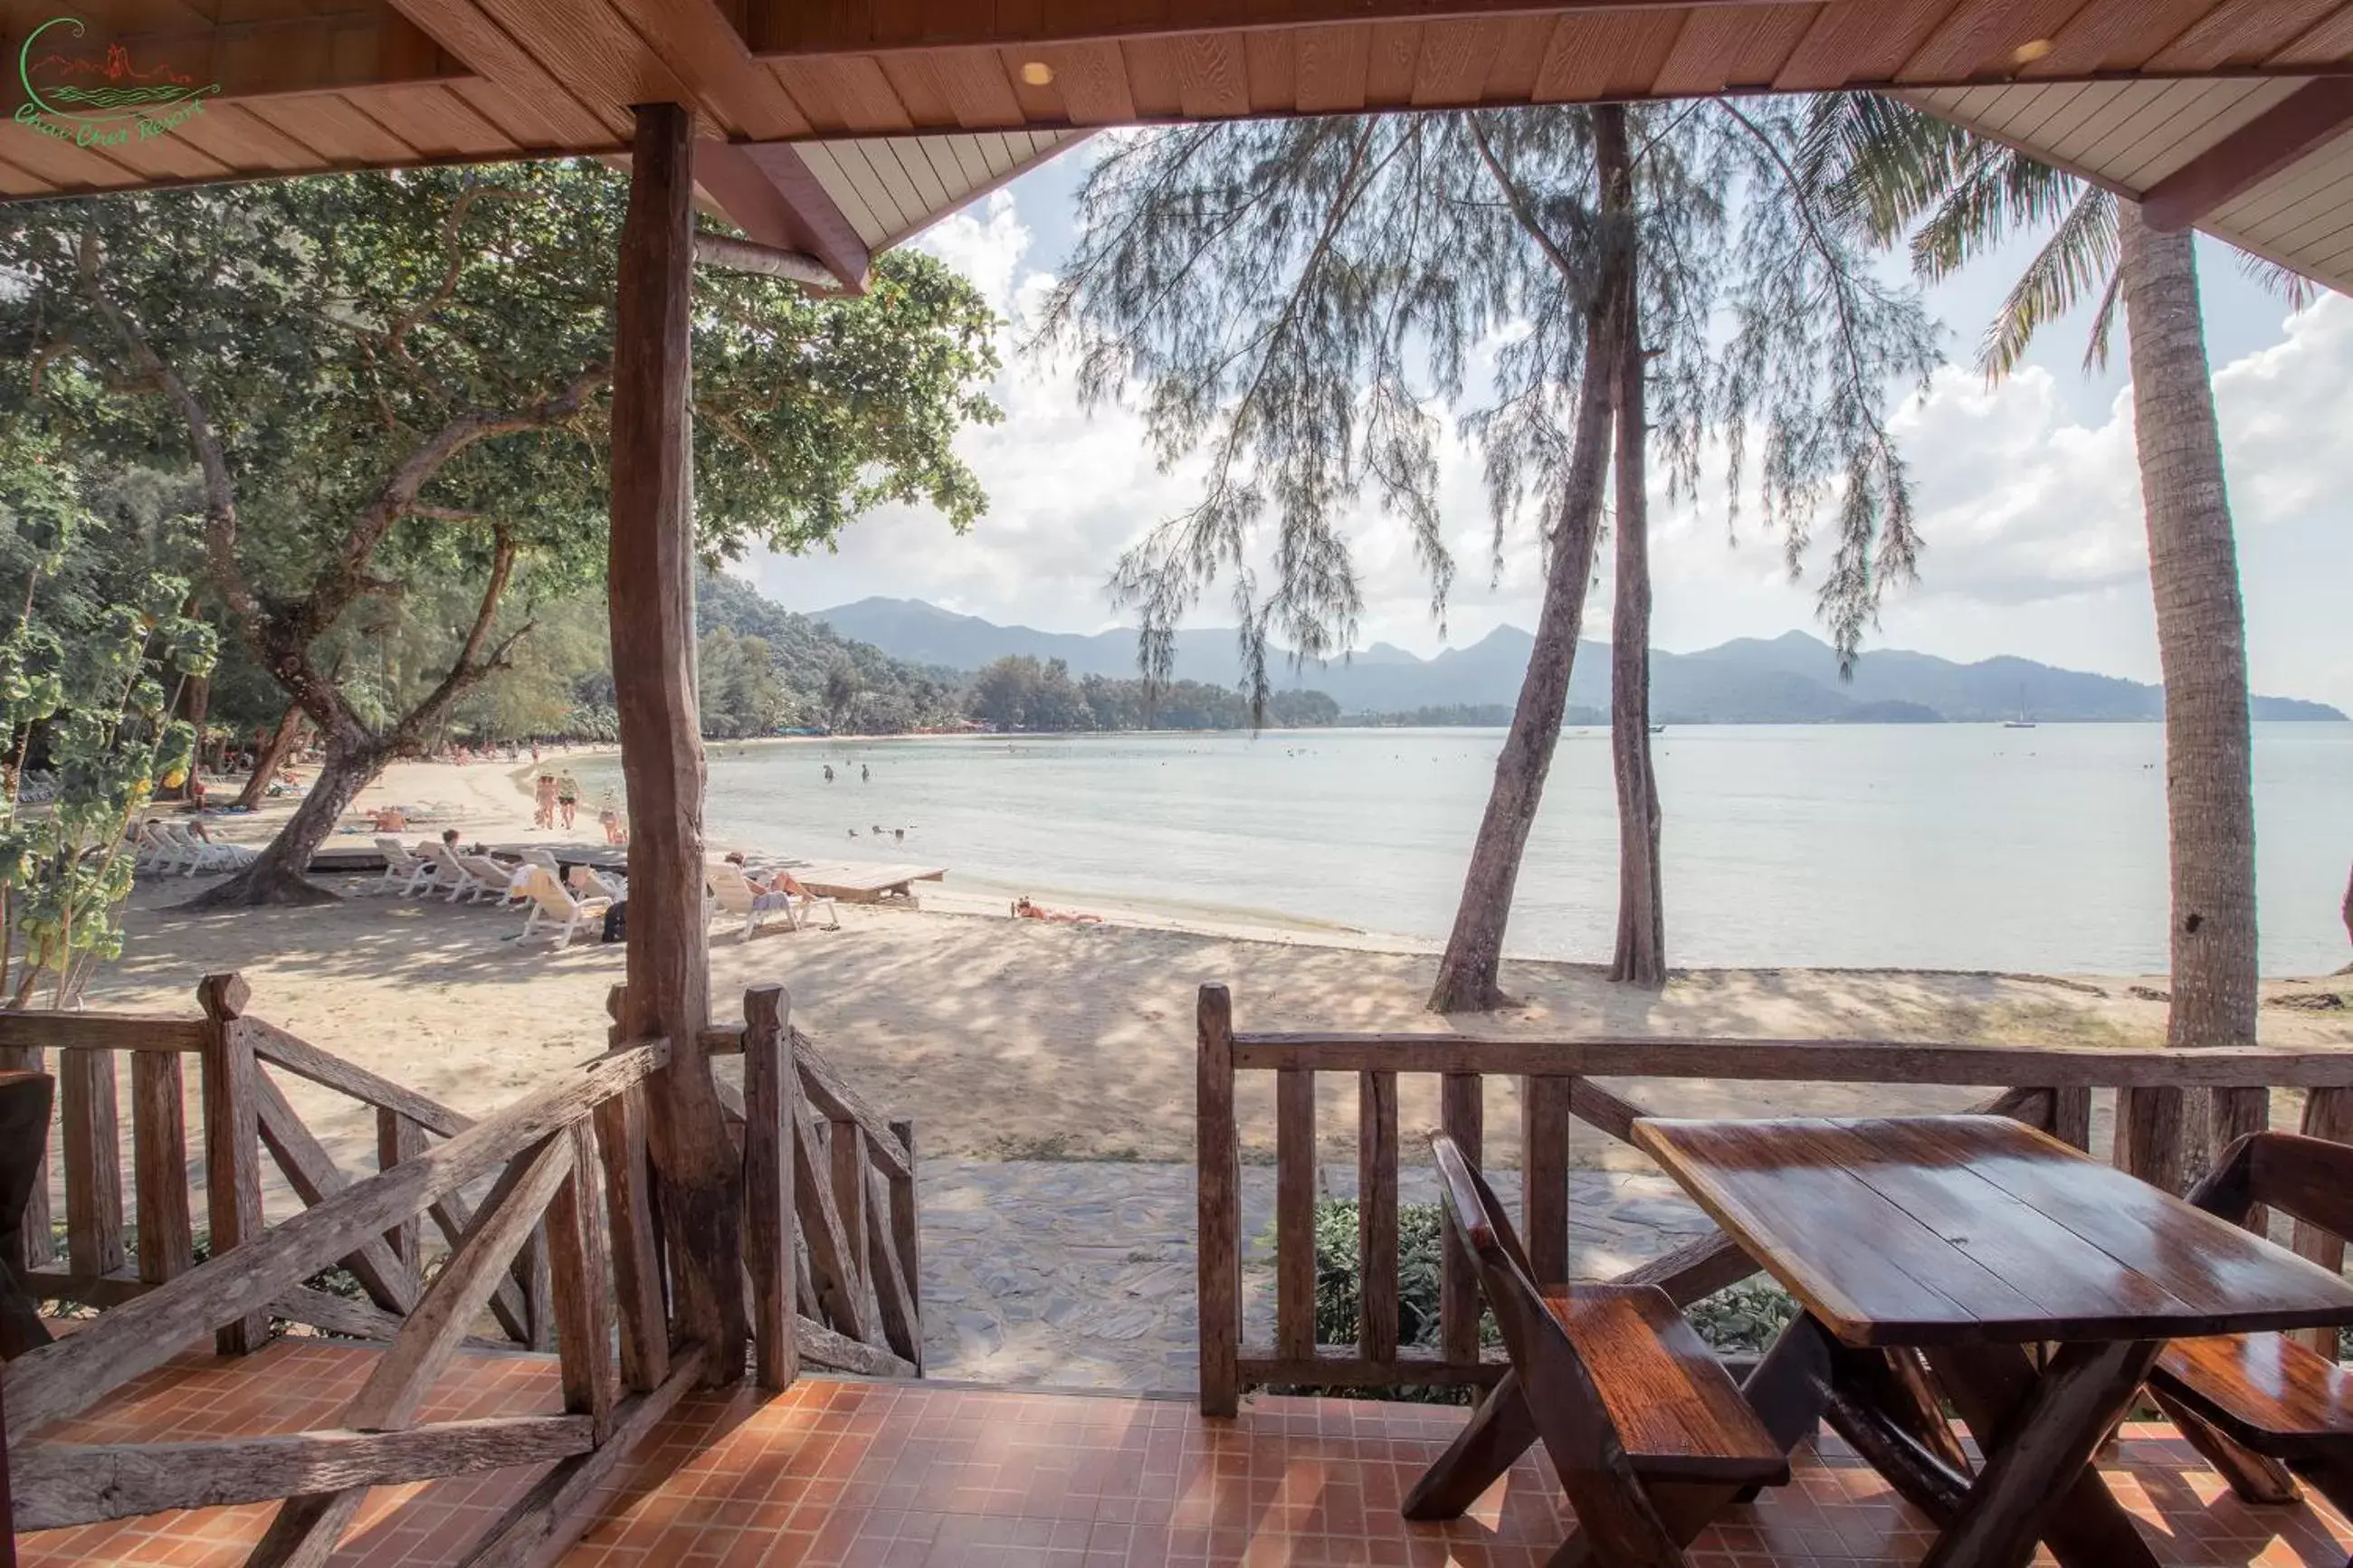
{"x": 1007, "y": 1038}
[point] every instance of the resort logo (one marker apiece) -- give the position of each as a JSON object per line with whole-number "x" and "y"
{"x": 100, "y": 102}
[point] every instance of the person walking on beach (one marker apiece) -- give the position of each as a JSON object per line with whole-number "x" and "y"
{"x": 828, "y": 773}
{"x": 543, "y": 802}
{"x": 567, "y": 798}
{"x": 864, "y": 776}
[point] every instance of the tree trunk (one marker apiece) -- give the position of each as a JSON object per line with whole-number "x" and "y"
{"x": 1642, "y": 956}
{"x": 2202, "y": 649}
{"x": 271, "y": 757}
{"x": 277, "y": 877}
{"x": 2346, "y": 909}
{"x": 649, "y": 580}
{"x": 1467, "y": 971}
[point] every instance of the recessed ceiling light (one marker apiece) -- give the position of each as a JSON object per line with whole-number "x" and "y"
{"x": 2027, "y": 53}
{"x": 1038, "y": 73}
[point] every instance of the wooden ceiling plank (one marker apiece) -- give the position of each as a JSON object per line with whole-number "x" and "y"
{"x": 1455, "y": 57}
{"x": 2225, "y": 106}
{"x": 2288, "y": 199}
{"x": 2240, "y": 33}
{"x": 339, "y": 133}
{"x": 1866, "y": 40}
{"x": 1593, "y": 57}
{"x": 1152, "y": 77}
{"x": 2295, "y": 231}
{"x": 538, "y": 99}
{"x": 842, "y": 191}
{"x": 2301, "y": 124}
{"x": 1980, "y": 38}
{"x": 2328, "y": 43}
{"x": 1392, "y": 56}
{"x": 1090, "y": 80}
{"x": 1330, "y": 70}
{"x": 233, "y": 137}
{"x": 2154, "y": 107}
{"x": 1512, "y": 73}
{"x": 843, "y": 95}
{"x": 2111, "y": 111}
{"x": 917, "y": 81}
{"x": 2115, "y": 34}
{"x": 1270, "y": 70}
{"x": 1733, "y": 47}
{"x": 915, "y": 161}
{"x": 702, "y": 46}
{"x": 435, "y": 121}
{"x": 2084, "y": 101}
{"x": 16, "y": 181}
{"x": 66, "y": 167}
{"x": 1212, "y": 76}
{"x": 168, "y": 156}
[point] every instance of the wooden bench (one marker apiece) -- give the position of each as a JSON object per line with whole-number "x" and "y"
{"x": 1650, "y": 1434}
{"x": 2269, "y": 1394}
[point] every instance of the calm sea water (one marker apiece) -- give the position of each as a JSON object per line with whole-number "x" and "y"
{"x": 1961, "y": 847}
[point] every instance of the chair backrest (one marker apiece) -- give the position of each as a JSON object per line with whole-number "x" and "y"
{"x": 396, "y": 855}
{"x": 735, "y": 892}
{"x": 548, "y": 893}
{"x": 541, "y": 857}
{"x": 445, "y": 855}
{"x": 2310, "y": 1178}
{"x": 496, "y": 872}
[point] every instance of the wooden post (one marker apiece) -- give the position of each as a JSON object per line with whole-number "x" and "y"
{"x": 2150, "y": 1133}
{"x": 87, "y": 1108}
{"x": 2327, "y": 1113}
{"x": 1461, "y": 1115}
{"x": 1218, "y": 1194}
{"x": 1544, "y": 1174}
{"x": 846, "y": 1157}
{"x": 771, "y": 1116}
{"x": 232, "y": 1141}
{"x": 650, "y": 584}
{"x": 35, "y": 1243}
{"x": 159, "y": 1133}
{"x": 637, "y": 1254}
{"x": 398, "y": 1139}
{"x": 2070, "y": 1116}
{"x": 575, "y": 1229}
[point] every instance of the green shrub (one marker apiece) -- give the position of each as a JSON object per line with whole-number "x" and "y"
{"x": 1739, "y": 1319}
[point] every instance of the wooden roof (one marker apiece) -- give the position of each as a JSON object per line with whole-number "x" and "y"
{"x": 840, "y": 126}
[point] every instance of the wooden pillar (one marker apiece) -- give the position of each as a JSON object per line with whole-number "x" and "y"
{"x": 651, "y": 582}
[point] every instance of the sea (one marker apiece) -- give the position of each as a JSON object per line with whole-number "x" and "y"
{"x": 1938, "y": 846}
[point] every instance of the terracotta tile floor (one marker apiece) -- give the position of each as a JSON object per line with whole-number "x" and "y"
{"x": 840, "y": 1474}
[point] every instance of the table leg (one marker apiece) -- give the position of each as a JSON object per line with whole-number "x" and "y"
{"x": 2039, "y": 1432}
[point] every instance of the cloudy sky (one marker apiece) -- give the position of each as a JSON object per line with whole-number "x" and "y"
{"x": 2029, "y": 496}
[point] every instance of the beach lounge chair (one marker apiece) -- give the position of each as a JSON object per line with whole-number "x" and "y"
{"x": 735, "y": 895}
{"x": 590, "y": 883}
{"x": 401, "y": 868}
{"x": 198, "y": 855}
{"x": 498, "y": 879}
{"x": 453, "y": 874}
{"x": 552, "y": 906}
{"x": 157, "y": 853}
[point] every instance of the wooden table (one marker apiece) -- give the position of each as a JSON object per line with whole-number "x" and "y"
{"x": 1971, "y": 1240}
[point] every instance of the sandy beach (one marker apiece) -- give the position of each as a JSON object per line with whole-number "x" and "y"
{"x": 1010, "y": 1039}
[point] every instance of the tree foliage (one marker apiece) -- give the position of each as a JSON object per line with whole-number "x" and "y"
{"x": 393, "y": 387}
{"x": 1297, "y": 300}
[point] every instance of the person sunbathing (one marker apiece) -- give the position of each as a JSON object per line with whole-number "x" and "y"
{"x": 784, "y": 881}
{"x": 1023, "y": 910}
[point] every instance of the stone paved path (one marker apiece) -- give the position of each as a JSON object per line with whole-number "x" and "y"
{"x": 1081, "y": 1274}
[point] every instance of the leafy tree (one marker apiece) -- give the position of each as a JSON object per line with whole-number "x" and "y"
{"x": 393, "y": 384}
{"x": 1295, "y": 296}
{"x": 1954, "y": 195}
{"x": 80, "y": 678}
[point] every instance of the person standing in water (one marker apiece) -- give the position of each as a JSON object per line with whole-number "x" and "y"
{"x": 828, "y": 773}
{"x": 863, "y": 775}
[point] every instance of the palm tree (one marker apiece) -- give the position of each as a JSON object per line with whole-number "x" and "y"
{"x": 1956, "y": 195}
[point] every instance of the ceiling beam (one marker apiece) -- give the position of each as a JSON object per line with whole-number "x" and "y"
{"x": 732, "y": 255}
{"x": 2307, "y": 119}
{"x": 258, "y": 58}
{"x": 873, "y": 27}
{"x": 766, "y": 190}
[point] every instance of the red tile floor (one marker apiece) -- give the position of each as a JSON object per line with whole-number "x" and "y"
{"x": 839, "y": 1473}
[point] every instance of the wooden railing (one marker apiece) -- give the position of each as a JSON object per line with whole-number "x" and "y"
{"x": 562, "y": 1251}
{"x": 850, "y": 1186}
{"x": 1557, "y": 1086}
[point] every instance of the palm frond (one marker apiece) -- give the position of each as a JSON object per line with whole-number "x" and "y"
{"x": 1878, "y": 163}
{"x": 2103, "y": 321}
{"x": 2080, "y": 256}
{"x": 2290, "y": 285}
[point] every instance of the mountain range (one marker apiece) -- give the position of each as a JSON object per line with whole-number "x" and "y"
{"x": 1790, "y": 679}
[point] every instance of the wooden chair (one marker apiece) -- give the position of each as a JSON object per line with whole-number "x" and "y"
{"x": 2268, "y": 1394}
{"x": 1650, "y": 1434}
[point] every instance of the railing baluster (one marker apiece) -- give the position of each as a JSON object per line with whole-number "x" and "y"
{"x": 906, "y": 1235}
{"x": 86, "y": 1108}
{"x": 2070, "y": 1116}
{"x": 232, "y": 1141}
{"x": 2327, "y": 1113}
{"x": 636, "y": 1256}
{"x": 35, "y": 1244}
{"x": 1544, "y": 1174}
{"x": 1463, "y": 1114}
{"x": 772, "y": 1112}
{"x": 845, "y": 1154}
{"x": 575, "y": 1229}
{"x": 159, "y": 1136}
{"x": 1218, "y": 1198}
{"x": 1295, "y": 1213}
{"x": 1376, "y": 1215}
{"x": 398, "y": 1139}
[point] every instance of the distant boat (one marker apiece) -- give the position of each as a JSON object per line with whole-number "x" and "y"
{"x": 1657, "y": 729}
{"x": 2021, "y": 721}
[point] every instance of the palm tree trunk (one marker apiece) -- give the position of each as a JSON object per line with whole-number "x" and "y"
{"x": 1642, "y": 956}
{"x": 1468, "y": 971}
{"x": 2202, "y": 649}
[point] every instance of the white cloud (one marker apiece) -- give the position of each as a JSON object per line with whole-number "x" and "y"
{"x": 2031, "y": 511}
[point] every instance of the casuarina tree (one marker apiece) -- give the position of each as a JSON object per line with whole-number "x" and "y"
{"x": 1953, "y": 195}
{"x": 1298, "y": 300}
{"x": 396, "y": 382}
